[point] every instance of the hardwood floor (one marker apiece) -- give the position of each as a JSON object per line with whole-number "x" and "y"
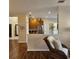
{"x": 19, "y": 51}
{"x": 22, "y": 51}
{"x": 13, "y": 49}
{"x": 38, "y": 55}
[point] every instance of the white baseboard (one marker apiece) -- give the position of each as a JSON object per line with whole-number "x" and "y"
{"x": 21, "y": 41}
{"x": 37, "y": 49}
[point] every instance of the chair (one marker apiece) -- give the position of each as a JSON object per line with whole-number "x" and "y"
{"x": 56, "y": 49}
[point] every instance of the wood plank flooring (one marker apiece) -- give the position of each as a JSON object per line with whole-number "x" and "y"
{"x": 38, "y": 55}
{"x": 22, "y": 51}
{"x": 19, "y": 51}
{"x": 13, "y": 49}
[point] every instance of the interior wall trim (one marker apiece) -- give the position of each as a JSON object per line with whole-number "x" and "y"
{"x": 37, "y": 49}
{"x": 21, "y": 41}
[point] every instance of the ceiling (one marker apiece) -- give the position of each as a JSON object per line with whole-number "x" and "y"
{"x": 36, "y": 7}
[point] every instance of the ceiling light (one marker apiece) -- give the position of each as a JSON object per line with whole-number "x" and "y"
{"x": 49, "y": 12}
{"x": 30, "y": 13}
{"x": 61, "y": 1}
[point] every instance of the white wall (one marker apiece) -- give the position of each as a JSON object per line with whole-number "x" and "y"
{"x": 13, "y": 21}
{"x": 36, "y": 42}
{"x": 64, "y": 25}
